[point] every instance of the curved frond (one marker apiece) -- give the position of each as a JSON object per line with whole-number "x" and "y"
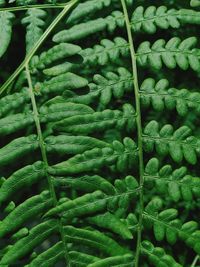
{"x": 160, "y": 96}
{"x": 179, "y": 144}
{"x": 6, "y": 18}
{"x": 153, "y": 17}
{"x": 35, "y": 23}
{"x": 172, "y": 53}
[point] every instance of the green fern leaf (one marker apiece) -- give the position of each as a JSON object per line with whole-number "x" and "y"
{"x": 6, "y": 18}
{"x": 179, "y": 144}
{"x": 166, "y": 224}
{"x": 52, "y": 55}
{"x": 115, "y": 19}
{"x": 195, "y": 3}
{"x": 81, "y": 259}
{"x": 104, "y": 88}
{"x": 121, "y": 154}
{"x": 17, "y": 148}
{"x": 15, "y": 123}
{"x": 112, "y": 223}
{"x": 24, "y": 177}
{"x": 98, "y": 121}
{"x": 60, "y": 83}
{"x": 126, "y": 260}
{"x": 176, "y": 184}
{"x": 64, "y": 144}
{"x": 35, "y": 23}
{"x": 30, "y": 207}
{"x": 95, "y": 239}
{"x": 49, "y": 257}
{"x": 157, "y": 255}
{"x": 60, "y": 111}
{"x": 13, "y": 102}
{"x": 86, "y": 183}
{"x": 25, "y": 245}
{"x": 171, "y": 53}
{"x": 86, "y": 8}
{"x": 86, "y": 204}
{"x": 106, "y": 51}
{"x": 153, "y": 17}
{"x": 160, "y": 96}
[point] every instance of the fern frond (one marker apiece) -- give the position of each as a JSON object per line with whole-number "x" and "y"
{"x": 118, "y": 196}
{"x": 60, "y": 69}
{"x": 14, "y": 123}
{"x": 106, "y": 51}
{"x": 157, "y": 256}
{"x": 67, "y": 144}
{"x": 60, "y": 111}
{"x": 123, "y": 155}
{"x": 35, "y": 23}
{"x": 112, "y": 223}
{"x": 103, "y": 88}
{"x": 84, "y": 205}
{"x": 94, "y": 239}
{"x": 25, "y": 245}
{"x": 178, "y": 144}
{"x": 13, "y": 102}
{"x": 86, "y": 183}
{"x": 171, "y": 53}
{"x": 86, "y": 8}
{"x": 126, "y": 260}
{"x": 111, "y": 84}
{"x": 160, "y": 96}
{"x": 148, "y": 21}
{"x": 195, "y": 3}
{"x": 153, "y": 17}
{"x": 49, "y": 257}
{"x": 6, "y": 18}
{"x": 85, "y": 179}
{"x": 78, "y": 258}
{"x": 17, "y": 148}
{"x": 60, "y": 83}
{"x": 82, "y": 30}
{"x": 98, "y": 121}
{"x": 24, "y": 177}
{"x": 176, "y": 184}
{"x": 166, "y": 224}
{"x": 54, "y": 54}
{"x": 33, "y": 206}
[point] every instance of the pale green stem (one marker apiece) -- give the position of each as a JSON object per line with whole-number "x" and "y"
{"x": 37, "y": 45}
{"x": 195, "y": 261}
{"x": 44, "y": 157}
{"x": 21, "y": 8}
{"x": 139, "y": 130}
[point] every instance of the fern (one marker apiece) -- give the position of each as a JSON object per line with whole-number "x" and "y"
{"x": 35, "y": 23}
{"x": 100, "y": 133}
{"x": 5, "y": 30}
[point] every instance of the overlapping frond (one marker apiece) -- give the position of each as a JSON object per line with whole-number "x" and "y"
{"x": 98, "y": 164}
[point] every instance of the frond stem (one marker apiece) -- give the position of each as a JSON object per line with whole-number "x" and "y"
{"x": 21, "y": 8}
{"x": 37, "y": 45}
{"x": 195, "y": 261}
{"x": 44, "y": 156}
{"x": 139, "y": 129}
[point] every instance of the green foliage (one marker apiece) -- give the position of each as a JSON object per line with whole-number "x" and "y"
{"x": 171, "y": 53}
{"x": 160, "y": 96}
{"x": 35, "y": 23}
{"x": 152, "y": 18}
{"x": 5, "y": 30}
{"x": 179, "y": 144}
{"x": 100, "y": 138}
